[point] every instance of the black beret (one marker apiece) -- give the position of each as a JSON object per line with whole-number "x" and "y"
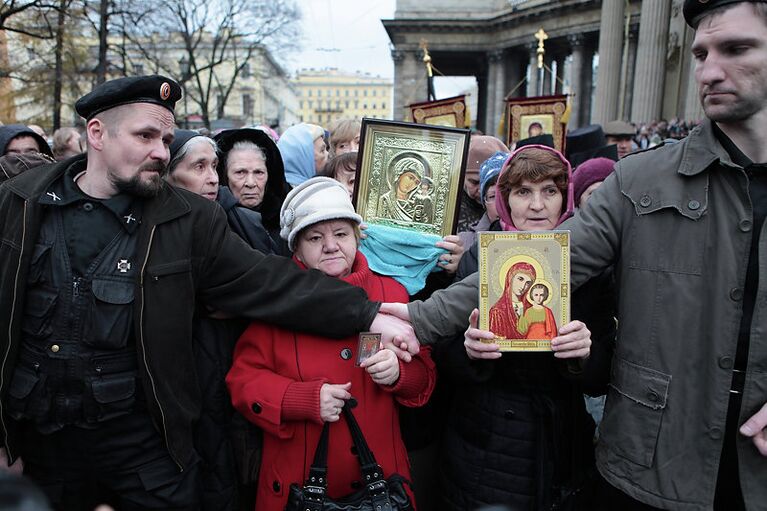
{"x": 694, "y": 8}
{"x": 123, "y": 91}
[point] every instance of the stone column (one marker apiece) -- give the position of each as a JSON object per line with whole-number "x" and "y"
{"x": 588, "y": 84}
{"x": 647, "y": 102}
{"x": 548, "y": 74}
{"x": 693, "y": 111}
{"x": 495, "y": 111}
{"x": 609, "y": 72}
{"x": 513, "y": 68}
{"x": 559, "y": 79}
{"x": 398, "y": 110}
{"x": 532, "y": 71}
{"x": 630, "y": 75}
{"x": 577, "y": 70}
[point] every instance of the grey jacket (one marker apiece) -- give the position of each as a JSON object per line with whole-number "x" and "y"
{"x": 677, "y": 227}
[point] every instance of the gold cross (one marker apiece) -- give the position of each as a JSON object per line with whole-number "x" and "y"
{"x": 540, "y": 36}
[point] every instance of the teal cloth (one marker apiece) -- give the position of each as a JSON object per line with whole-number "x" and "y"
{"x": 406, "y": 256}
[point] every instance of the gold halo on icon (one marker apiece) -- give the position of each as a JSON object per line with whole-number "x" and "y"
{"x": 519, "y": 259}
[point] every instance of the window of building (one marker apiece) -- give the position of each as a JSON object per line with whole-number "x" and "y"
{"x": 365, "y": 106}
{"x": 338, "y": 105}
{"x": 138, "y": 69}
{"x": 346, "y": 93}
{"x": 383, "y": 105}
{"x": 365, "y": 92}
{"x": 245, "y": 72}
{"x": 356, "y": 104}
{"x": 374, "y": 106}
{"x": 338, "y": 92}
{"x": 374, "y": 92}
{"x": 356, "y": 93}
{"x": 346, "y": 103}
{"x": 319, "y": 93}
{"x": 247, "y": 105}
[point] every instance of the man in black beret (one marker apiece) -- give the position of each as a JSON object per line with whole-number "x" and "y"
{"x": 684, "y": 226}
{"x": 102, "y": 265}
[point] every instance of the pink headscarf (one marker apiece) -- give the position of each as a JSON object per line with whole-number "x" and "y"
{"x": 502, "y": 205}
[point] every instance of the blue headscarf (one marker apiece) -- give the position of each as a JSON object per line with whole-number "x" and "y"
{"x": 489, "y": 169}
{"x": 297, "y": 149}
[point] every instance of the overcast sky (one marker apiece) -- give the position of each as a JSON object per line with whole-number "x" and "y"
{"x": 349, "y": 35}
{"x": 346, "y": 34}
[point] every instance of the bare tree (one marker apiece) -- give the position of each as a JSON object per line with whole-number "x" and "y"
{"x": 28, "y": 17}
{"x": 217, "y": 41}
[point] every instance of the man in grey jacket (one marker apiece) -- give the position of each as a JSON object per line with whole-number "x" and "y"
{"x": 683, "y": 224}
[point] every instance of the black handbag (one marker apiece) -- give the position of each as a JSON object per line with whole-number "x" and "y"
{"x": 378, "y": 494}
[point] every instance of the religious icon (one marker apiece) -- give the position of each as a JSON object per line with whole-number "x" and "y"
{"x": 410, "y": 175}
{"x": 369, "y": 345}
{"x": 442, "y": 112}
{"x": 524, "y": 287}
{"x": 530, "y": 117}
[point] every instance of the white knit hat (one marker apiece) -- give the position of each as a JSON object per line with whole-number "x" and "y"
{"x": 313, "y": 201}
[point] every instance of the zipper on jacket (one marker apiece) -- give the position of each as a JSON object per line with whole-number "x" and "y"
{"x": 10, "y": 327}
{"x": 143, "y": 348}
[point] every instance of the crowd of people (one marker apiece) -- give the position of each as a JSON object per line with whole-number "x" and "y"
{"x": 198, "y": 322}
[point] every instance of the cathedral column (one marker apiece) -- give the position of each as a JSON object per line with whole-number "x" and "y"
{"x": 398, "y": 110}
{"x": 610, "y": 49}
{"x": 647, "y": 102}
{"x": 577, "y": 69}
{"x": 532, "y": 71}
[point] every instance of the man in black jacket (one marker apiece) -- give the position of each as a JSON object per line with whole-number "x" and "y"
{"x": 101, "y": 267}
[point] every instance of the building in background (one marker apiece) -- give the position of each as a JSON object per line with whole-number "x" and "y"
{"x": 620, "y": 59}
{"x": 261, "y": 93}
{"x": 326, "y": 95}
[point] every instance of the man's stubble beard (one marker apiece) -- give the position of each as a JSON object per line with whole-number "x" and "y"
{"x": 137, "y": 187}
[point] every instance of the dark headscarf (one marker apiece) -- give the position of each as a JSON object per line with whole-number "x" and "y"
{"x": 276, "y": 186}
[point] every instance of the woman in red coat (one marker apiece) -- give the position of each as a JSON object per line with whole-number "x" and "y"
{"x": 290, "y": 383}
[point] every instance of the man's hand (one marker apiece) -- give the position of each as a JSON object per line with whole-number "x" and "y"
{"x": 755, "y": 428}
{"x": 383, "y": 367}
{"x": 573, "y": 341}
{"x": 397, "y": 335}
{"x": 454, "y": 247}
{"x": 398, "y": 310}
{"x": 475, "y": 341}
{"x": 16, "y": 468}
{"x": 332, "y": 399}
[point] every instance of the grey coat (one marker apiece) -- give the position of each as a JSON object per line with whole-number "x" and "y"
{"x": 676, "y": 225}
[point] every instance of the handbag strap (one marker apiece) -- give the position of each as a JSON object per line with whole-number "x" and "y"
{"x": 316, "y": 485}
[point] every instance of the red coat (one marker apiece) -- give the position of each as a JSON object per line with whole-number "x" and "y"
{"x": 275, "y": 383}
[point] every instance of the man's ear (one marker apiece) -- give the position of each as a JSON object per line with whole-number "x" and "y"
{"x": 96, "y": 131}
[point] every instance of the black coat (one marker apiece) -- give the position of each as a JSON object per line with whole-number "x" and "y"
{"x": 188, "y": 256}
{"x": 517, "y": 432}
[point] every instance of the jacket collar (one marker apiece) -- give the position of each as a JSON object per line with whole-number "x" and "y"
{"x": 702, "y": 149}
{"x": 167, "y": 205}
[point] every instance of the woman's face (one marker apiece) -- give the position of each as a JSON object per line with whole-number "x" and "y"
{"x": 408, "y": 182}
{"x": 320, "y": 154}
{"x": 535, "y": 206}
{"x": 520, "y": 283}
{"x": 348, "y": 146}
{"x": 347, "y": 178}
{"x": 328, "y": 246}
{"x": 492, "y": 212}
{"x": 197, "y": 171}
{"x": 247, "y": 176}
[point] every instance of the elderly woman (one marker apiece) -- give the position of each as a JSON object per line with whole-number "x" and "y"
{"x": 304, "y": 151}
{"x": 193, "y": 163}
{"x": 290, "y": 383}
{"x": 252, "y": 173}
